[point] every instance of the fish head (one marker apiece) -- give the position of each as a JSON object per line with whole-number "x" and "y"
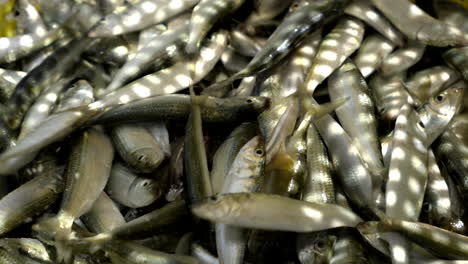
{"x": 448, "y": 101}
{"x": 143, "y": 192}
{"x": 146, "y": 159}
{"x": 219, "y": 208}
{"x": 254, "y": 152}
{"x": 258, "y": 103}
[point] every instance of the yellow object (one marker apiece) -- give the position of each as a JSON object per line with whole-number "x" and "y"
{"x": 7, "y": 18}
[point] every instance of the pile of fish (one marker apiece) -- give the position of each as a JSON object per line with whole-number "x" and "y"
{"x": 233, "y": 131}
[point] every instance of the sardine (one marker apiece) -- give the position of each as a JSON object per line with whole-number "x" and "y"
{"x": 283, "y": 40}
{"x": 139, "y": 16}
{"x": 204, "y": 15}
{"x": 429, "y": 82}
{"x": 177, "y": 107}
{"x": 403, "y": 58}
{"x": 131, "y": 190}
{"x": 104, "y": 216}
{"x": 274, "y": 212}
{"x": 31, "y": 198}
{"x": 373, "y": 51}
{"x": 364, "y": 10}
{"x": 87, "y": 173}
{"x": 347, "y": 81}
{"x": 245, "y": 175}
{"x": 418, "y": 25}
{"x": 169, "y": 80}
{"x": 227, "y": 151}
{"x": 336, "y": 46}
{"x": 137, "y": 147}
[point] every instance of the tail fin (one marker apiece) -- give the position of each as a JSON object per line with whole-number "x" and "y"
{"x": 58, "y": 228}
{"x": 317, "y": 111}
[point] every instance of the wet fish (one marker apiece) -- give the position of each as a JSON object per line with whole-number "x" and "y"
{"x": 169, "y": 80}
{"x": 139, "y": 16}
{"x": 373, "y": 51}
{"x": 429, "y": 82}
{"x": 227, "y": 151}
{"x": 204, "y": 15}
{"x": 282, "y": 41}
{"x": 418, "y": 25}
{"x": 87, "y": 173}
{"x": 177, "y": 107}
{"x": 458, "y": 59}
{"x": 403, "y": 58}
{"x": 48, "y": 72}
{"x": 103, "y": 216}
{"x": 31, "y": 198}
{"x": 137, "y": 147}
{"x": 274, "y": 212}
{"x": 365, "y": 11}
{"x": 245, "y": 175}
{"x": 336, "y": 46}
{"x": 389, "y": 94}
{"x": 347, "y": 81}
{"x": 130, "y": 189}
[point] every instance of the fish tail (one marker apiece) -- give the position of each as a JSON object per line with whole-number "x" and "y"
{"x": 96, "y": 242}
{"x": 59, "y": 228}
{"x": 321, "y": 110}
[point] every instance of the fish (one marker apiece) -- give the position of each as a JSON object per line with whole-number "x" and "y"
{"x": 203, "y": 255}
{"x": 128, "y": 252}
{"x": 365, "y": 11}
{"x": 130, "y": 189}
{"x": 402, "y": 58}
{"x": 427, "y": 83}
{"x": 348, "y": 81}
{"x": 266, "y": 10}
{"x": 137, "y": 147}
{"x": 256, "y": 210}
{"x": 170, "y": 80}
{"x": 152, "y": 223}
{"x": 227, "y": 152}
{"x": 197, "y": 176}
{"x": 48, "y": 72}
{"x": 87, "y": 173}
{"x": 139, "y": 16}
{"x": 245, "y": 175}
{"x": 161, "y": 50}
{"x": 177, "y": 107}
{"x": 244, "y": 44}
{"x": 390, "y": 95}
{"x": 8, "y": 81}
{"x": 32, "y": 197}
{"x": 418, "y": 25}
{"x": 103, "y": 216}
{"x": 352, "y": 173}
{"x": 204, "y": 15}
{"x": 348, "y": 33}
{"x": 458, "y": 59}
{"x": 281, "y": 42}
{"x": 374, "y": 49}
{"x": 441, "y": 242}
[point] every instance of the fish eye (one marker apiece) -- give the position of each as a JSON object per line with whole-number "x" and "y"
{"x": 427, "y": 207}
{"x": 213, "y": 198}
{"x": 440, "y": 98}
{"x": 421, "y": 124}
{"x": 249, "y": 101}
{"x": 320, "y": 245}
{"x": 259, "y": 152}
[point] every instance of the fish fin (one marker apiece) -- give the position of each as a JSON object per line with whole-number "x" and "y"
{"x": 317, "y": 111}
{"x": 59, "y": 229}
{"x": 96, "y": 242}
